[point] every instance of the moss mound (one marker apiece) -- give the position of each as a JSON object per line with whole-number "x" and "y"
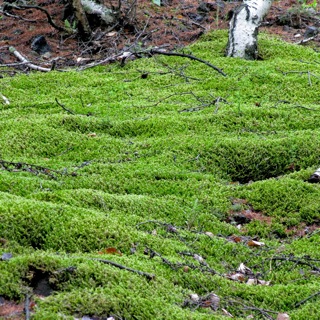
{"x": 160, "y": 187}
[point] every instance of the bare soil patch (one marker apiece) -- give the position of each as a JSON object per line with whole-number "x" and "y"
{"x": 172, "y": 25}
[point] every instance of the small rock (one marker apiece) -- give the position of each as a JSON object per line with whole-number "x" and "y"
{"x": 40, "y": 45}
{"x": 310, "y": 32}
{"x": 6, "y": 256}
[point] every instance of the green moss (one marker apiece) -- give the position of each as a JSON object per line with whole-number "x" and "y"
{"x": 142, "y": 155}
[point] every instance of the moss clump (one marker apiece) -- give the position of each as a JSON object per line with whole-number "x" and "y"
{"x": 147, "y": 171}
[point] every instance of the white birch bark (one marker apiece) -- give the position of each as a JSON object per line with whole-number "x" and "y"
{"x": 243, "y": 29}
{"x": 315, "y": 177}
{"x": 107, "y": 15}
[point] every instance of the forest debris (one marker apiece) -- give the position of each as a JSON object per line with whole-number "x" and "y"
{"x": 64, "y": 107}
{"x": 110, "y": 250}
{"x": 209, "y": 234}
{"x": 5, "y": 99}
{"x": 237, "y": 277}
{"x": 29, "y": 64}
{"x": 6, "y": 256}
{"x": 189, "y": 56}
{"x": 227, "y": 313}
{"x": 283, "y": 316}
{"x": 244, "y": 269}
{"x": 27, "y": 167}
{"x": 210, "y": 300}
{"x": 253, "y": 243}
{"x": 120, "y": 266}
{"x": 194, "y": 297}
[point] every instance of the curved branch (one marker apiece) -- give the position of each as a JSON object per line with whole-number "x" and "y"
{"x": 50, "y": 20}
{"x": 189, "y": 56}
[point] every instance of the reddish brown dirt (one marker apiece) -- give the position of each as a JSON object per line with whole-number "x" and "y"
{"x": 173, "y": 25}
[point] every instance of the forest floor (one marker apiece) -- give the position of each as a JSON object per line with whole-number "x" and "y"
{"x": 119, "y": 162}
{"x": 143, "y": 24}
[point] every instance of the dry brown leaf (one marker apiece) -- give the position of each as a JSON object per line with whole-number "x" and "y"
{"x": 235, "y": 239}
{"x": 253, "y": 243}
{"x": 237, "y": 277}
{"x": 92, "y": 134}
{"x": 186, "y": 269}
{"x": 209, "y": 234}
{"x": 110, "y": 251}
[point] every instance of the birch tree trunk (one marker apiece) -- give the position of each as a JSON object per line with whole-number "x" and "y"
{"x": 83, "y": 24}
{"x": 243, "y": 29}
{"x": 315, "y": 177}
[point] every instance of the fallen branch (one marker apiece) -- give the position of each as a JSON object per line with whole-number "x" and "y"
{"x": 296, "y": 261}
{"x": 50, "y": 21}
{"x": 298, "y": 304}
{"x": 26, "y": 61}
{"x": 303, "y": 41}
{"x": 120, "y": 266}
{"x": 189, "y": 56}
{"x": 64, "y": 107}
{"x": 27, "y": 167}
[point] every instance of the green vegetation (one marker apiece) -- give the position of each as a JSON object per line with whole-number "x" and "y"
{"x": 159, "y": 157}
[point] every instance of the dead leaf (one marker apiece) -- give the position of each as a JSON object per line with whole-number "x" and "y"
{"x": 235, "y": 239}
{"x": 194, "y": 297}
{"x": 111, "y": 34}
{"x": 253, "y": 243}
{"x": 264, "y": 283}
{"x": 251, "y": 281}
{"x": 186, "y": 269}
{"x": 244, "y": 269}
{"x": 237, "y": 277}
{"x": 92, "y": 134}
{"x": 215, "y": 301}
{"x": 110, "y": 251}
{"x": 209, "y": 234}
{"x": 283, "y": 316}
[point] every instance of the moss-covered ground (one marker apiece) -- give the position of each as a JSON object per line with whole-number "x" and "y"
{"x": 158, "y": 158}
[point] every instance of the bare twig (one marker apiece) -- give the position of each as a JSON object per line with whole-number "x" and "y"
{"x": 120, "y": 266}
{"x": 27, "y": 62}
{"x": 298, "y": 304}
{"x": 189, "y": 56}
{"x": 50, "y": 21}
{"x": 27, "y": 167}
{"x": 64, "y": 107}
{"x": 300, "y": 261}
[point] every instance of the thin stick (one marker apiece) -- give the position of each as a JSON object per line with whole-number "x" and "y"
{"x": 50, "y": 21}
{"x": 298, "y": 304}
{"x": 64, "y": 107}
{"x": 26, "y": 61}
{"x": 120, "y": 266}
{"x": 189, "y": 56}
